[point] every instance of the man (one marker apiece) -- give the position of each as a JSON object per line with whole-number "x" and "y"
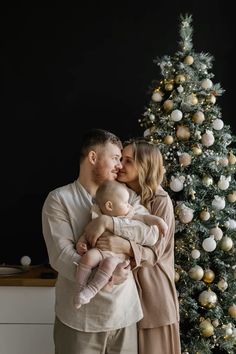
{"x": 108, "y": 323}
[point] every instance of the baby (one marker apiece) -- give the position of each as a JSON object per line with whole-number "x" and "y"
{"x": 112, "y": 198}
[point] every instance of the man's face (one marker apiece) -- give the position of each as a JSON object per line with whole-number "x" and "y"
{"x": 107, "y": 163}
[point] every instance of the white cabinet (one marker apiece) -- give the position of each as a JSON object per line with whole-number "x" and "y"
{"x": 26, "y": 320}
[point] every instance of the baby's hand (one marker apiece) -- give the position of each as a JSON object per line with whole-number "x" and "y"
{"x": 81, "y": 248}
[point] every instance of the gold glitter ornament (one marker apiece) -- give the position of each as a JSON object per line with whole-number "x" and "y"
{"x": 183, "y": 132}
{"x": 206, "y": 328}
{"x": 208, "y": 299}
{"x": 185, "y": 159}
{"x": 168, "y": 105}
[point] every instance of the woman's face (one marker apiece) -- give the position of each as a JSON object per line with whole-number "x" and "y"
{"x": 128, "y": 173}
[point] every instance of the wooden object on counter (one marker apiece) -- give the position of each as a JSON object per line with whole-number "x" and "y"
{"x": 41, "y": 275}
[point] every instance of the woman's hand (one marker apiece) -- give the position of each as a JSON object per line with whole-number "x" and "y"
{"x": 121, "y": 273}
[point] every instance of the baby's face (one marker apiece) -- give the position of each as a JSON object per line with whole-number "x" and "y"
{"x": 120, "y": 203}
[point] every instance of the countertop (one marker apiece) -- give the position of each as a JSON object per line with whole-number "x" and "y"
{"x": 38, "y": 275}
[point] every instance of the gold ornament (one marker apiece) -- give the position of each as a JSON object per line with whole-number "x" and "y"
{"x": 232, "y": 197}
{"x": 169, "y": 87}
{"x": 231, "y": 158}
{"x": 232, "y": 311}
{"x": 168, "y": 105}
{"x": 207, "y": 299}
{"x": 208, "y": 276}
{"x": 196, "y": 272}
{"x": 183, "y": 132}
{"x": 196, "y": 150}
{"x": 222, "y": 284}
{"x": 188, "y": 60}
{"x": 179, "y": 79}
{"x": 226, "y": 243}
{"x": 210, "y": 99}
{"x": 168, "y": 139}
{"x": 206, "y": 328}
{"x": 198, "y": 117}
{"x": 207, "y": 181}
{"x": 205, "y": 215}
{"x": 177, "y": 276}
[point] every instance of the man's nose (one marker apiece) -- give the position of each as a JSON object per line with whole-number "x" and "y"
{"x": 119, "y": 165}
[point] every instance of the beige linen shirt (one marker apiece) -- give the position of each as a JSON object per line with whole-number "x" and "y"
{"x": 65, "y": 213}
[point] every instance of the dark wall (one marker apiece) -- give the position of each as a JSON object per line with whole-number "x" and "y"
{"x": 65, "y": 67}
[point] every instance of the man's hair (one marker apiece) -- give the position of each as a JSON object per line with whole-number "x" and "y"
{"x": 96, "y": 137}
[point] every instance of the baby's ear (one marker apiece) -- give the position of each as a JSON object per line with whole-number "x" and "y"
{"x": 108, "y": 205}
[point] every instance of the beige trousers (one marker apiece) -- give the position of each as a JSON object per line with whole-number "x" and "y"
{"x": 70, "y": 341}
{"x": 160, "y": 340}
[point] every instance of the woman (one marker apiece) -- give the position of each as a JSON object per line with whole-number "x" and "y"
{"x": 158, "y": 331}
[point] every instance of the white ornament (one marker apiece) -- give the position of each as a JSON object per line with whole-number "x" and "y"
{"x": 25, "y": 260}
{"x": 223, "y": 161}
{"x": 209, "y": 244}
{"x": 185, "y": 214}
{"x": 208, "y": 138}
{"x": 218, "y": 124}
{"x": 231, "y": 224}
{"x": 195, "y": 254}
{"x": 218, "y": 202}
{"x": 223, "y": 182}
{"x": 152, "y": 117}
{"x": 180, "y": 89}
{"x": 147, "y": 132}
{"x": 217, "y": 233}
{"x": 206, "y": 84}
{"x": 177, "y": 183}
{"x": 157, "y": 97}
{"x": 176, "y": 115}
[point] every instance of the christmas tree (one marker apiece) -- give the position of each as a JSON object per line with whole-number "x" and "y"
{"x": 184, "y": 118}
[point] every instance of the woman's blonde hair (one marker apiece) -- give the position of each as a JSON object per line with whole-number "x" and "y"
{"x": 149, "y": 163}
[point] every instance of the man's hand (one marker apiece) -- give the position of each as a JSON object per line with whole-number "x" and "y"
{"x": 116, "y": 244}
{"x": 121, "y": 272}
